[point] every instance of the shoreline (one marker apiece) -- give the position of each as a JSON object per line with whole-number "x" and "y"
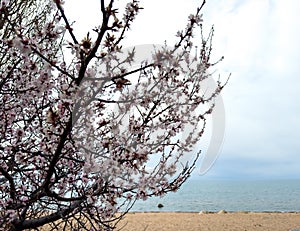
{"x": 210, "y": 221}
{"x": 214, "y": 212}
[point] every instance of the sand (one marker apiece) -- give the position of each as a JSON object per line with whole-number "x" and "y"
{"x": 239, "y": 221}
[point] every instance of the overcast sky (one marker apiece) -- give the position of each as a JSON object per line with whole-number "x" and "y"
{"x": 260, "y": 42}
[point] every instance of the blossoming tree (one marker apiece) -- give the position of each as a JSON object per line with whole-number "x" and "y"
{"x": 79, "y": 124}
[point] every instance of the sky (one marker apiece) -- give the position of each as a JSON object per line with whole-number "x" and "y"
{"x": 259, "y": 40}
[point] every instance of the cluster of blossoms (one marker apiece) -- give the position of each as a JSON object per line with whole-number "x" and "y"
{"x": 4, "y": 3}
{"x": 77, "y": 134}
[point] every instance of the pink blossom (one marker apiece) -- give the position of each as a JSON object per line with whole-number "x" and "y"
{"x": 84, "y": 132}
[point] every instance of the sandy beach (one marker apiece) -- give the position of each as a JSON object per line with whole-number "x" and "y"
{"x": 239, "y": 221}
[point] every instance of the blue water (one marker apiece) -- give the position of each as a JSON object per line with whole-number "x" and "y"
{"x": 231, "y": 195}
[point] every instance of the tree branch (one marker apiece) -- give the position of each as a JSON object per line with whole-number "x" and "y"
{"x": 68, "y": 26}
